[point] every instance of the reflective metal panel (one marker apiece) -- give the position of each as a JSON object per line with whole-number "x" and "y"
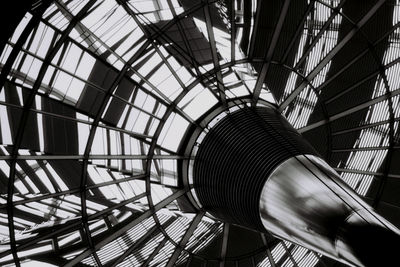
{"x": 305, "y": 201}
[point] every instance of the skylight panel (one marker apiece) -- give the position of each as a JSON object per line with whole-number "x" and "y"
{"x": 145, "y": 6}
{"x": 42, "y": 40}
{"x": 71, "y": 204}
{"x": 192, "y": 94}
{"x": 141, "y": 122}
{"x": 148, "y": 67}
{"x": 177, "y": 229}
{"x": 177, "y": 7}
{"x": 184, "y": 75}
{"x": 62, "y": 83}
{"x": 46, "y": 181}
{"x": 4, "y": 236}
{"x": 200, "y": 104}
{"x": 131, "y": 145}
{"x": 68, "y": 239}
{"x": 172, "y": 132}
{"x": 264, "y": 263}
{"x": 75, "y": 6}
{"x": 50, "y": 210}
{"x": 159, "y": 193}
{"x": 121, "y": 244}
{"x": 32, "y": 185}
{"x": 175, "y": 65}
{"x": 60, "y": 21}
{"x": 74, "y": 91}
{"x": 149, "y": 104}
{"x": 100, "y": 143}
{"x": 309, "y": 260}
{"x": 307, "y": 99}
{"x": 67, "y": 210}
{"x": 277, "y": 252}
{"x": 71, "y": 58}
{"x": 133, "y": 49}
{"x": 203, "y": 235}
{"x": 298, "y": 253}
{"x": 144, "y": 252}
{"x": 162, "y": 257}
{"x": 98, "y": 227}
{"x": 126, "y": 189}
{"x": 169, "y": 172}
{"x": 134, "y": 35}
{"x": 5, "y": 126}
{"x": 31, "y": 66}
{"x": 160, "y": 75}
{"x": 170, "y": 87}
{"x": 52, "y": 13}
{"x": 378, "y": 136}
{"x": 114, "y": 23}
{"x": 30, "y": 210}
{"x": 20, "y": 187}
{"x": 93, "y": 206}
{"x": 115, "y": 145}
{"x": 98, "y": 15}
{"x": 114, "y": 189}
{"x": 138, "y": 186}
{"x": 137, "y": 165}
{"x": 5, "y": 54}
{"x": 166, "y": 14}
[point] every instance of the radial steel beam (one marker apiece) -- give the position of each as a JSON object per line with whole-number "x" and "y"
{"x": 188, "y": 234}
{"x": 136, "y": 135}
{"x": 349, "y": 111}
{"x": 253, "y": 39}
{"x": 139, "y": 243}
{"x": 148, "y": 36}
{"x": 233, "y": 30}
{"x": 268, "y": 251}
{"x": 364, "y": 126}
{"x": 214, "y": 53}
{"x": 299, "y": 30}
{"x": 155, "y": 252}
{"x": 321, "y": 32}
{"x": 370, "y": 76}
{"x": 189, "y": 50}
{"x": 394, "y": 176}
{"x": 23, "y": 122}
{"x": 95, "y": 124}
{"x": 270, "y": 51}
{"x": 270, "y": 258}
{"x": 73, "y": 191}
{"x": 355, "y": 149}
{"x": 128, "y": 226}
{"x": 117, "y": 206}
{"x": 188, "y": 55}
{"x": 93, "y": 157}
{"x": 224, "y": 245}
{"x": 289, "y": 253}
{"x": 331, "y": 54}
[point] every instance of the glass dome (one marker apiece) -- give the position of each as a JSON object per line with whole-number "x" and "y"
{"x": 99, "y": 99}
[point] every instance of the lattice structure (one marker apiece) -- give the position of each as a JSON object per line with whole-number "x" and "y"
{"x": 99, "y": 98}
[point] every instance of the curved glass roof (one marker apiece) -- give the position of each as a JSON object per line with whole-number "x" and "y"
{"x": 96, "y": 97}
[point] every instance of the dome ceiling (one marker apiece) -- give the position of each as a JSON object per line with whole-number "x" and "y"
{"x": 98, "y": 99}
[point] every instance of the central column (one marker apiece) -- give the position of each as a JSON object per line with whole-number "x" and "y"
{"x": 255, "y": 170}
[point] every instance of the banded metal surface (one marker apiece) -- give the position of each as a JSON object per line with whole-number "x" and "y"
{"x": 235, "y": 159}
